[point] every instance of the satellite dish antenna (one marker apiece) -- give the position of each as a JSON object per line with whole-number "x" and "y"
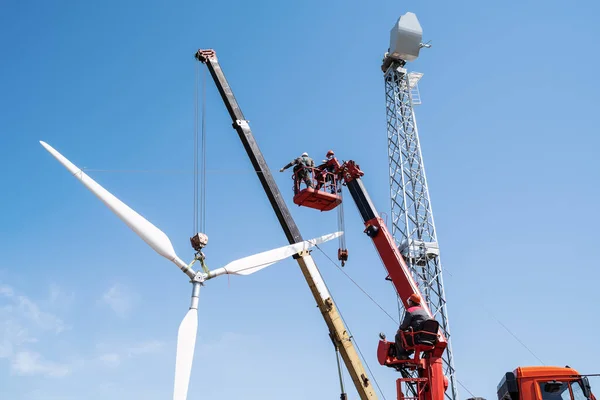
{"x": 160, "y": 242}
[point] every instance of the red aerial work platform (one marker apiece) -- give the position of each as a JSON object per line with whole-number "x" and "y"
{"x": 318, "y": 199}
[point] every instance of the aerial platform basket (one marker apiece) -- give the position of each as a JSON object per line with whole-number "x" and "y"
{"x": 323, "y": 195}
{"x": 317, "y": 199}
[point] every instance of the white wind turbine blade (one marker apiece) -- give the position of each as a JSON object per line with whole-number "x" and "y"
{"x": 251, "y": 264}
{"x": 186, "y": 342}
{"x": 156, "y": 238}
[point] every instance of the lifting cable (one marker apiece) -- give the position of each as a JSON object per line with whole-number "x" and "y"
{"x": 357, "y": 285}
{"x": 203, "y": 200}
{"x": 195, "y": 165}
{"x": 343, "y": 395}
{"x": 342, "y": 251}
{"x": 199, "y": 173}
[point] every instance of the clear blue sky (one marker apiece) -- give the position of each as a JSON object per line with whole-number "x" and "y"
{"x": 509, "y": 136}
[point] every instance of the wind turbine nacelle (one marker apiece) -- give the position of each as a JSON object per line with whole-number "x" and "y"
{"x": 405, "y": 38}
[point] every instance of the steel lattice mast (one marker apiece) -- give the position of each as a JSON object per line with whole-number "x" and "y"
{"x": 413, "y": 226}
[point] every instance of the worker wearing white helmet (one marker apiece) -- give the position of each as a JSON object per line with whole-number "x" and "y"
{"x": 303, "y": 166}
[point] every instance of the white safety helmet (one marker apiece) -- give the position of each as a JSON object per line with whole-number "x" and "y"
{"x": 305, "y": 154}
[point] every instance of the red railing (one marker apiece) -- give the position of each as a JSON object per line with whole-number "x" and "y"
{"x": 320, "y": 180}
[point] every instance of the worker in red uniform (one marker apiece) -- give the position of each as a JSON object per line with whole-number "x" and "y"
{"x": 326, "y": 170}
{"x": 414, "y": 316}
{"x": 303, "y": 166}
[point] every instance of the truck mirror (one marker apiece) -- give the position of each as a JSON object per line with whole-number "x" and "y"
{"x": 552, "y": 387}
{"x": 587, "y": 388}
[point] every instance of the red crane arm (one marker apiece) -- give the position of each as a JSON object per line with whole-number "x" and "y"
{"x": 431, "y": 383}
{"x": 399, "y": 273}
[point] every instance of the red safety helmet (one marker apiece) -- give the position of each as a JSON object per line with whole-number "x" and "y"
{"x": 415, "y": 298}
{"x": 330, "y": 153}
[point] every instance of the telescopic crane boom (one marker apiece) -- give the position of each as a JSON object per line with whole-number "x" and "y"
{"x": 338, "y": 332}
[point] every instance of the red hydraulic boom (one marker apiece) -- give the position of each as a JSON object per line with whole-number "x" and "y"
{"x": 428, "y": 345}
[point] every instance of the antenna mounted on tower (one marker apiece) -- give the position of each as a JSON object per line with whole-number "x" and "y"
{"x": 405, "y": 41}
{"x": 405, "y": 38}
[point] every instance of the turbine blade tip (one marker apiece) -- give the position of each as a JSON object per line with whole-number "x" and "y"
{"x": 47, "y": 146}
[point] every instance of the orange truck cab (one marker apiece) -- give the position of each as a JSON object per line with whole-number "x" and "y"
{"x": 544, "y": 383}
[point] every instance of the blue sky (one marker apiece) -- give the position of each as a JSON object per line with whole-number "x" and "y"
{"x": 509, "y": 138}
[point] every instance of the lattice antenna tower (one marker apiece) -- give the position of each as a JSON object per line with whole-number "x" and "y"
{"x": 412, "y": 221}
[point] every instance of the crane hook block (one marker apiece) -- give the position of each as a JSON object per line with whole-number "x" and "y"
{"x": 198, "y": 241}
{"x": 343, "y": 256}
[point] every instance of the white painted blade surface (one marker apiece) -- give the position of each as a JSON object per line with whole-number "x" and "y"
{"x": 156, "y": 238}
{"x": 324, "y": 238}
{"x": 251, "y": 264}
{"x": 186, "y": 342}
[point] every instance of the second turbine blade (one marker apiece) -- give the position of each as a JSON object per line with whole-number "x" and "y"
{"x": 254, "y": 263}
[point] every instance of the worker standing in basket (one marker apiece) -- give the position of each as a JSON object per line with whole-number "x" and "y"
{"x": 414, "y": 316}
{"x": 303, "y": 166}
{"x": 326, "y": 170}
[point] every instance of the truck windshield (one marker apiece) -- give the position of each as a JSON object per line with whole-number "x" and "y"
{"x": 577, "y": 390}
{"x": 553, "y": 390}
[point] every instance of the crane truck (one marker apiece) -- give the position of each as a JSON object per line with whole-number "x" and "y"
{"x": 428, "y": 343}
